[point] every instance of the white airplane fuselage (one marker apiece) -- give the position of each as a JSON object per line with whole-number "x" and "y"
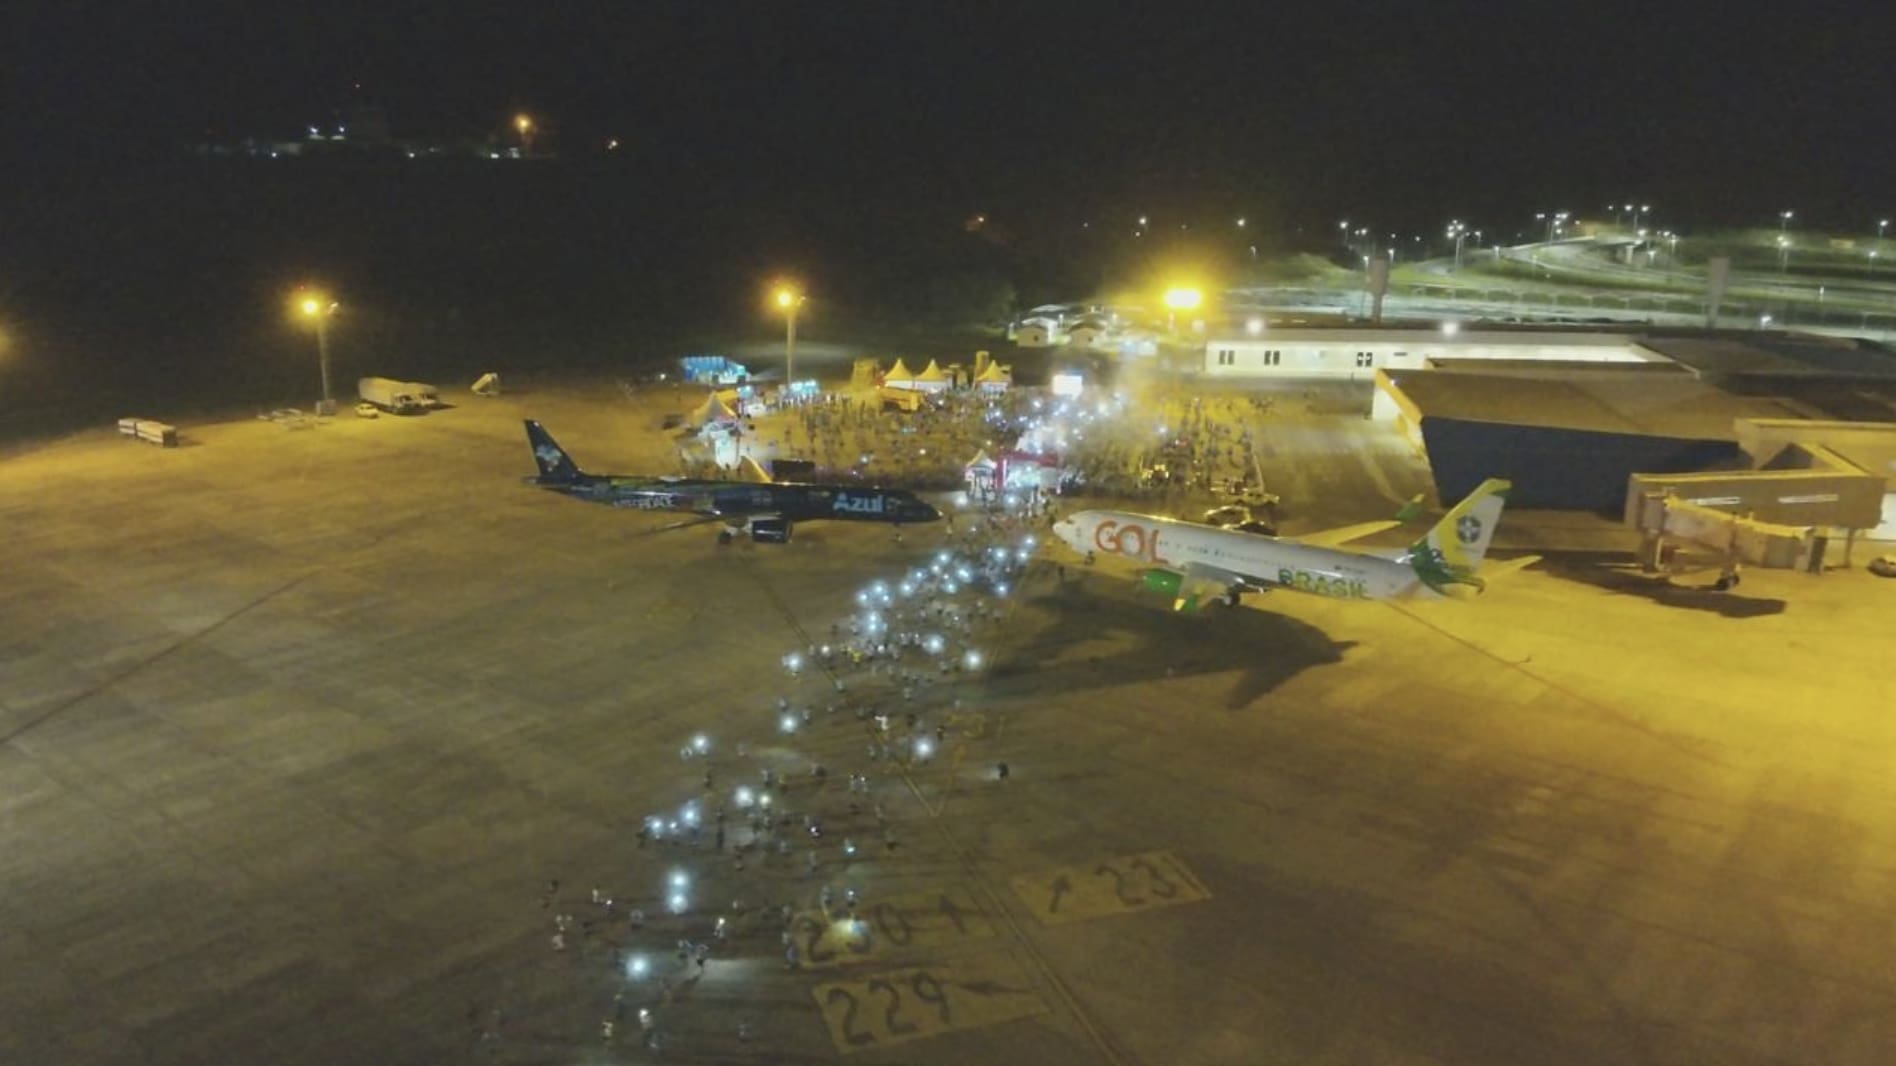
{"x": 1234, "y": 557}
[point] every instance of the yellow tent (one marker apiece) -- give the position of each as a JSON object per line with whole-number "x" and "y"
{"x": 931, "y": 379}
{"x": 898, "y": 375}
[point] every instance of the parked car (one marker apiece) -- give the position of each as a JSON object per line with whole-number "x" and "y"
{"x": 365, "y": 409}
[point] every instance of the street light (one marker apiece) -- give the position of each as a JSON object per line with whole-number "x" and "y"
{"x": 523, "y": 124}
{"x": 1784, "y": 253}
{"x": 318, "y": 307}
{"x": 1458, "y": 233}
{"x": 1180, "y": 299}
{"x": 1870, "y": 271}
{"x": 1784, "y": 221}
{"x": 788, "y": 300}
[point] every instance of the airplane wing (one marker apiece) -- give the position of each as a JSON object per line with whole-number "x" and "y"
{"x": 1198, "y": 582}
{"x": 1330, "y": 538}
{"x": 1492, "y": 569}
{"x": 674, "y": 526}
{"x": 751, "y": 470}
{"x": 1475, "y": 583}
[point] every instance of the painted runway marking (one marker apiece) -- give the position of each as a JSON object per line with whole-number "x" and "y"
{"x": 889, "y": 926}
{"x": 897, "y": 1006}
{"x": 1109, "y": 887}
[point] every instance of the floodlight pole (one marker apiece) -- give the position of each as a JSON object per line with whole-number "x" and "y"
{"x": 322, "y": 358}
{"x": 790, "y": 344}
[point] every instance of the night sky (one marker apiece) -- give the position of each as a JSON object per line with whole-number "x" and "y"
{"x": 1717, "y": 113}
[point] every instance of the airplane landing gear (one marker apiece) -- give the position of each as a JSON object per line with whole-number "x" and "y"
{"x": 1233, "y": 597}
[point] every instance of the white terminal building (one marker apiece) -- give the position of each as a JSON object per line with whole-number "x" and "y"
{"x": 1360, "y": 352}
{"x": 1795, "y": 430}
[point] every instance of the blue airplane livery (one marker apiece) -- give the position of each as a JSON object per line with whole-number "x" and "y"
{"x": 763, "y": 511}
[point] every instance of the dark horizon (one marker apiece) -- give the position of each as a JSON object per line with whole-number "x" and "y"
{"x": 1407, "y": 114}
{"x": 844, "y": 145}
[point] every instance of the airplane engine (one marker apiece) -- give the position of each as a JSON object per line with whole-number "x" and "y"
{"x": 1166, "y": 581}
{"x": 768, "y": 530}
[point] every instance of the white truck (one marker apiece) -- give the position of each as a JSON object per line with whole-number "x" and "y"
{"x": 425, "y": 394}
{"x": 145, "y": 429}
{"x": 396, "y": 397}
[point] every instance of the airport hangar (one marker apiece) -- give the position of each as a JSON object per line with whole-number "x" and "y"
{"x": 1790, "y": 429}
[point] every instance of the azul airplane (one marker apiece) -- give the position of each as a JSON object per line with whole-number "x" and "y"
{"x": 1195, "y": 562}
{"x": 764, "y": 510}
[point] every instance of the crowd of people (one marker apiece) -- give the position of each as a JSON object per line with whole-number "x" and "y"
{"x": 794, "y": 815}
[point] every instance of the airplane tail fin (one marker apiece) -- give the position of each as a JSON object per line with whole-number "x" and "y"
{"x": 1451, "y": 552}
{"x": 555, "y": 464}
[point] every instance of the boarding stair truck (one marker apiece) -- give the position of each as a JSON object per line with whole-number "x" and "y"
{"x": 395, "y": 397}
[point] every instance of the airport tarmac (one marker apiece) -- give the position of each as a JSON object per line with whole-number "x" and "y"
{"x": 300, "y": 723}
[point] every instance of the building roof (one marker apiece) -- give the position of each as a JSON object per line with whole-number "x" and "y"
{"x": 1450, "y": 364}
{"x": 1843, "y": 399}
{"x": 1779, "y": 354}
{"x": 1427, "y": 336}
{"x": 1604, "y": 401}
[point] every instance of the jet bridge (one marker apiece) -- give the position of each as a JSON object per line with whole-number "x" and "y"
{"x": 1739, "y": 516}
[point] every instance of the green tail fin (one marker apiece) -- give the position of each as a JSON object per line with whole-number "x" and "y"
{"x": 1451, "y": 552}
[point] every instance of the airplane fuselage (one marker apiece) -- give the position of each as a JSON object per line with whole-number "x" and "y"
{"x": 1252, "y": 559}
{"x": 739, "y": 499}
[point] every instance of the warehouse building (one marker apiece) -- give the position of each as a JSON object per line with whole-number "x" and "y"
{"x": 1744, "y": 431}
{"x": 1787, "y": 430}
